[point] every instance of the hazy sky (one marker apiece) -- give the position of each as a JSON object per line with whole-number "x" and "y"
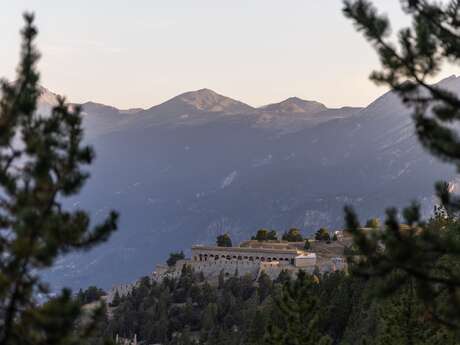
{"x": 138, "y": 53}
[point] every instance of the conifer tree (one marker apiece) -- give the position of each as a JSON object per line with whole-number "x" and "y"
{"x": 402, "y": 320}
{"x": 224, "y": 240}
{"x": 322, "y": 235}
{"x": 116, "y": 300}
{"x": 265, "y": 286}
{"x": 373, "y": 223}
{"x": 425, "y": 253}
{"x": 298, "y": 305}
{"x": 42, "y": 162}
{"x": 265, "y": 235}
{"x": 221, "y": 279}
{"x": 292, "y": 235}
{"x": 257, "y": 329}
{"x": 283, "y": 277}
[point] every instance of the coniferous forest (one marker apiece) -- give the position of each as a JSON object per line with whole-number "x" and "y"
{"x": 334, "y": 308}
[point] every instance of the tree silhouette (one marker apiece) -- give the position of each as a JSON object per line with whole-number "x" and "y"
{"x": 224, "y": 240}
{"x": 41, "y": 164}
{"x": 426, "y": 252}
{"x": 293, "y": 235}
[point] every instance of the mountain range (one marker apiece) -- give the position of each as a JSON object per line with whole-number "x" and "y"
{"x": 201, "y": 164}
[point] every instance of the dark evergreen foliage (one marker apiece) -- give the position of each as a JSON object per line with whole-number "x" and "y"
{"x": 333, "y": 308}
{"x": 42, "y": 162}
{"x": 91, "y": 294}
{"x": 224, "y": 240}
{"x": 373, "y": 223}
{"x": 265, "y": 235}
{"x": 424, "y": 253}
{"x": 174, "y": 257}
{"x": 322, "y": 235}
{"x": 298, "y": 305}
{"x": 293, "y": 235}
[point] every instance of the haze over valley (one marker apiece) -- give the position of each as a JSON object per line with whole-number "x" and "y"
{"x": 201, "y": 164}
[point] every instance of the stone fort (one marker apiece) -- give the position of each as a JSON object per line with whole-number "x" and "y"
{"x": 250, "y": 257}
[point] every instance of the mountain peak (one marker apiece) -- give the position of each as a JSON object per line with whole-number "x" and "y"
{"x": 451, "y": 83}
{"x": 47, "y": 97}
{"x": 295, "y": 105}
{"x": 207, "y": 100}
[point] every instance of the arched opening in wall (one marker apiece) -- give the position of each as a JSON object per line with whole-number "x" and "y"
{"x": 234, "y": 257}
{"x": 223, "y": 256}
{"x": 269, "y": 259}
{"x": 205, "y": 257}
{"x": 201, "y": 257}
{"x": 240, "y": 258}
{"x": 257, "y": 258}
{"x": 292, "y": 261}
{"x": 216, "y": 257}
{"x": 245, "y": 258}
{"x": 229, "y": 257}
{"x": 262, "y": 259}
{"x": 251, "y": 258}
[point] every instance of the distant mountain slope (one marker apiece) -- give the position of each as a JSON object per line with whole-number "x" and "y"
{"x": 295, "y": 105}
{"x": 183, "y": 172}
{"x": 46, "y": 101}
{"x": 203, "y": 100}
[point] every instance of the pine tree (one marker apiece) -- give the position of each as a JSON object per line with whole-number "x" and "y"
{"x": 174, "y": 257}
{"x": 41, "y": 164}
{"x": 292, "y": 235}
{"x": 257, "y": 329}
{"x": 373, "y": 223}
{"x": 283, "y": 277}
{"x": 422, "y": 252}
{"x": 298, "y": 306}
{"x": 402, "y": 320}
{"x": 224, "y": 240}
{"x": 265, "y": 286}
{"x": 322, "y": 235}
{"x": 116, "y": 300}
{"x": 265, "y": 235}
{"x": 221, "y": 279}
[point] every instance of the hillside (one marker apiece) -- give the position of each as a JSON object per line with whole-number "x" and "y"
{"x": 337, "y": 309}
{"x": 200, "y": 164}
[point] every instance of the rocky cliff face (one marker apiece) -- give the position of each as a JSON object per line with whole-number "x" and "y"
{"x": 201, "y": 164}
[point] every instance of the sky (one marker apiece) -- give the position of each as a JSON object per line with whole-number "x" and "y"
{"x": 139, "y": 53}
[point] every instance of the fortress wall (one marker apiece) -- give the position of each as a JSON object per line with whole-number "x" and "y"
{"x": 211, "y": 261}
{"x": 209, "y": 253}
{"x": 212, "y": 269}
{"x": 274, "y": 270}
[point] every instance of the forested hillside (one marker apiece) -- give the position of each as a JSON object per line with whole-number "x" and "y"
{"x": 333, "y": 308}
